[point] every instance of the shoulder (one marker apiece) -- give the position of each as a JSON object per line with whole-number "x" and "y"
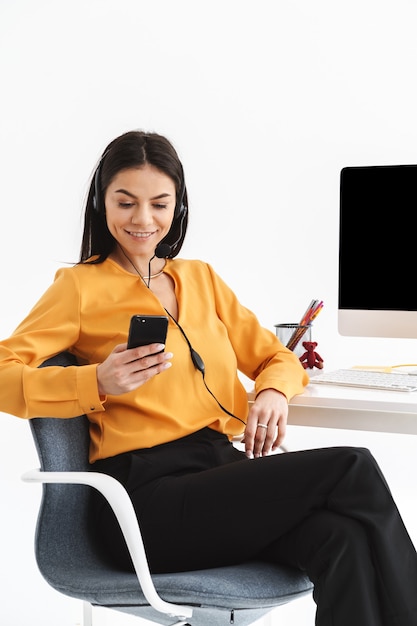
{"x": 198, "y": 273}
{"x": 184, "y": 264}
{"x": 85, "y": 269}
{"x": 82, "y": 275}
{"x": 190, "y": 267}
{"x": 193, "y": 271}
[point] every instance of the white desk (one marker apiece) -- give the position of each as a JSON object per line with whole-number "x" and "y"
{"x": 330, "y": 406}
{"x": 349, "y": 408}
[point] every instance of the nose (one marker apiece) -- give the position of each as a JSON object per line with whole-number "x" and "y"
{"x": 141, "y": 215}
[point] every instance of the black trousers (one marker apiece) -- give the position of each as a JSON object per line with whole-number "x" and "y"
{"x": 329, "y": 512}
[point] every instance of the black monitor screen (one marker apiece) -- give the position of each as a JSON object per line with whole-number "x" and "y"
{"x": 378, "y": 238}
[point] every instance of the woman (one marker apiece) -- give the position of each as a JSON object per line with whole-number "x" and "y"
{"x": 162, "y": 420}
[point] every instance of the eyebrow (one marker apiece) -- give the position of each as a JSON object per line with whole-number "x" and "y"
{"x": 131, "y": 195}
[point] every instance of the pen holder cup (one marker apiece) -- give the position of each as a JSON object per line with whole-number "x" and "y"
{"x": 293, "y": 335}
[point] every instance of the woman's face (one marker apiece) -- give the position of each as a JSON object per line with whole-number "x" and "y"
{"x": 140, "y": 205}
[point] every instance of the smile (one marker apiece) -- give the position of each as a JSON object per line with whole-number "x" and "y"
{"x": 139, "y": 235}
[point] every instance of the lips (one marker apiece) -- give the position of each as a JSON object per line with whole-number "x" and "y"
{"x": 140, "y": 235}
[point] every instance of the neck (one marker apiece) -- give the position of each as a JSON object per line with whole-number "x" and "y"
{"x": 146, "y": 270}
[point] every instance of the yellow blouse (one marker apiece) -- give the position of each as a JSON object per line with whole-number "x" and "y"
{"x": 87, "y": 311}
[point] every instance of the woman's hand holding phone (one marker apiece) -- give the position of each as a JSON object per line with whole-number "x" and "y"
{"x": 127, "y": 368}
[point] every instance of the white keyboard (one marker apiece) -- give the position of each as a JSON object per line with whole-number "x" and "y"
{"x": 367, "y": 379}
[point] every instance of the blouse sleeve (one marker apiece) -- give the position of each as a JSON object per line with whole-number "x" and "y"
{"x": 52, "y": 326}
{"x": 260, "y": 355}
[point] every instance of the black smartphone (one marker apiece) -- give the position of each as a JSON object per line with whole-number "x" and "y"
{"x": 146, "y": 329}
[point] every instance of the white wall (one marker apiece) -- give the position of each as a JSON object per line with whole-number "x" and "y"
{"x": 265, "y": 101}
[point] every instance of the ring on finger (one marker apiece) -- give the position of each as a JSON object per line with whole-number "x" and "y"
{"x": 262, "y": 426}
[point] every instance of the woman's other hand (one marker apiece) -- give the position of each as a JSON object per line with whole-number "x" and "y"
{"x": 266, "y": 425}
{"x": 125, "y": 370}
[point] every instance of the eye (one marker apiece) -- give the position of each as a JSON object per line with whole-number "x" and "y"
{"x": 160, "y": 206}
{"x": 125, "y": 205}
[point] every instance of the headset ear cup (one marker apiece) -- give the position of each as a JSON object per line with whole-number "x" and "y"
{"x": 180, "y": 207}
{"x": 96, "y": 196}
{"x": 97, "y": 190}
{"x": 179, "y": 211}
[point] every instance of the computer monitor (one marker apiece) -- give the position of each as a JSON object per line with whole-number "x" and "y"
{"x": 378, "y": 251}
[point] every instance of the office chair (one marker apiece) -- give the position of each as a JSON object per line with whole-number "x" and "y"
{"x": 71, "y": 562}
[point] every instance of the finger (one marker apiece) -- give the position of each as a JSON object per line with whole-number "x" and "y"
{"x": 141, "y": 376}
{"x": 158, "y": 361}
{"x": 264, "y": 438}
{"x": 143, "y": 351}
{"x": 138, "y": 372}
{"x": 280, "y": 435}
{"x": 121, "y": 347}
{"x": 257, "y": 439}
{"x": 251, "y": 432}
{"x": 249, "y": 439}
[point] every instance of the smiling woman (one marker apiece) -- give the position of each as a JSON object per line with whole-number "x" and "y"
{"x": 162, "y": 421}
{"x": 134, "y": 151}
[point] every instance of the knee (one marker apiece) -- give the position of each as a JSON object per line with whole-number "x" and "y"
{"x": 331, "y": 526}
{"x": 343, "y": 532}
{"x": 360, "y": 454}
{"x": 360, "y": 458}
{"x": 333, "y": 538}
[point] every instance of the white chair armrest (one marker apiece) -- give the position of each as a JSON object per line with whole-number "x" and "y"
{"x": 119, "y": 500}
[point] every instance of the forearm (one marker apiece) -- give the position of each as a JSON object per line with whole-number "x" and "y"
{"x": 28, "y": 391}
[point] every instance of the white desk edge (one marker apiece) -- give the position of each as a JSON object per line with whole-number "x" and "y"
{"x": 331, "y": 406}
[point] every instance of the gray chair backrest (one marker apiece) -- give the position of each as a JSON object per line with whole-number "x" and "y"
{"x": 62, "y": 444}
{"x": 63, "y": 533}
